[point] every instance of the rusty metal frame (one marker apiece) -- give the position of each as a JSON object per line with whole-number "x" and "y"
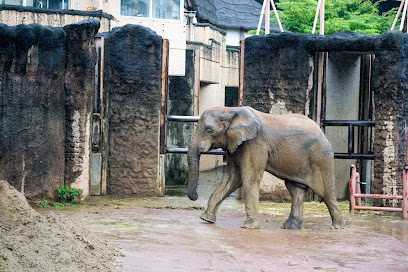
{"x": 356, "y": 195}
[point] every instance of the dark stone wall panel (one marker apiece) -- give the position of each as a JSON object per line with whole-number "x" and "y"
{"x": 79, "y": 92}
{"x": 32, "y": 109}
{"x": 133, "y": 81}
{"x": 276, "y": 69}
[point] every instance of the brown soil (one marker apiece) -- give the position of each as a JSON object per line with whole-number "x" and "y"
{"x": 32, "y": 242}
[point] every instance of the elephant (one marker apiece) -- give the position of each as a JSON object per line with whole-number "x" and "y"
{"x": 291, "y": 147}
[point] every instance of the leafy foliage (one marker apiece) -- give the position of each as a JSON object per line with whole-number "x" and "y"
{"x": 361, "y": 16}
{"x": 68, "y": 193}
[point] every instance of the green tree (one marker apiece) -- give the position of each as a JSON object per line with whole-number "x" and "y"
{"x": 359, "y": 16}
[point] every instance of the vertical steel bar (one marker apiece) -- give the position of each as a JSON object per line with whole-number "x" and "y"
{"x": 404, "y": 14}
{"x": 316, "y": 16}
{"x": 260, "y": 18}
{"x": 241, "y": 73}
{"x": 267, "y": 16}
{"x": 321, "y": 18}
{"x": 358, "y": 189}
{"x": 350, "y": 139}
{"x": 352, "y": 187}
{"x": 277, "y": 16}
{"x": 398, "y": 13}
{"x": 405, "y": 193}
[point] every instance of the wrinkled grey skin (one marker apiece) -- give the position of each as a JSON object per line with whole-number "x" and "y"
{"x": 291, "y": 147}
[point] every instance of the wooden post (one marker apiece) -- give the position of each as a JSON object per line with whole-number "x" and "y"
{"x": 241, "y": 74}
{"x": 164, "y": 91}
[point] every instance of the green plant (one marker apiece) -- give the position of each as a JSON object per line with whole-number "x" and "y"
{"x": 68, "y": 193}
{"x": 360, "y": 16}
{"x": 57, "y": 204}
{"x": 44, "y": 203}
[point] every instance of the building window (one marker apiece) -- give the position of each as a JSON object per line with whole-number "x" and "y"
{"x": 231, "y": 96}
{"x": 157, "y": 9}
{"x": 46, "y": 4}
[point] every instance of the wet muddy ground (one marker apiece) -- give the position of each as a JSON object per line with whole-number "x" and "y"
{"x": 166, "y": 234}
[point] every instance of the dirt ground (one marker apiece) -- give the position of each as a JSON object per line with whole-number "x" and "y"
{"x": 166, "y": 234}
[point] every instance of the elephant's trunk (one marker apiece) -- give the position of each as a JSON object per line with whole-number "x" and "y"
{"x": 193, "y": 158}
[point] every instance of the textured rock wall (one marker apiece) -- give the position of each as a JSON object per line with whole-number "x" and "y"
{"x": 390, "y": 86}
{"x": 132, "y": 79}
{"x": 32, "y": 112}
{"x": 79, "y": 92}
{"x": 277, "y": 73}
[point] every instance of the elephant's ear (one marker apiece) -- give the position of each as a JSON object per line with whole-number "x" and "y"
{"x": 244, "y": 126}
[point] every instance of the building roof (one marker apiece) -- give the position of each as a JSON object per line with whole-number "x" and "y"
{"x": 238, "y": 14}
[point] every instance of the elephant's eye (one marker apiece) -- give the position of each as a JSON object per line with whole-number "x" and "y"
{"x": 209, "y": 131}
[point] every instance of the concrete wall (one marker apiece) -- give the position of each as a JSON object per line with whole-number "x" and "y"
{"x": 132, "y": 84}
{"x": 20, "y": 15}
{"x": 342, "y": 103}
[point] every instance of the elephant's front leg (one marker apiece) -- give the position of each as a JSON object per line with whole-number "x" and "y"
{"x": 297, "y": 191}
{"x": 229, "y": 183}
{"x": 252, "y": 172}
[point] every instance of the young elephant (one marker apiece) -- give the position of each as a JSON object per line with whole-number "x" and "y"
{"x": 291, "y": 147}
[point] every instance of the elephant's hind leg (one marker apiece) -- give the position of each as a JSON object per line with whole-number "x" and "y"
{"x": 297, "y": 191}
{"x": 229, "y": 183}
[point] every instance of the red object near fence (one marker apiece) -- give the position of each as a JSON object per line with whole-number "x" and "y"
{"x": 356, "y": 195}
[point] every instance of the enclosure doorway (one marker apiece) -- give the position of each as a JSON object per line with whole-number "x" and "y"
{"x": 347, "y": 95}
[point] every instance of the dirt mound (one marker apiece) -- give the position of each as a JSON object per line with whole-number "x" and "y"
{"x": 31, "y": 242}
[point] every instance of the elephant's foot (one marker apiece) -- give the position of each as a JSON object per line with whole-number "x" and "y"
{"x": 208, "y": 217}
{"x": 291, "y": 223}
{"x": 250, "y": 223}
{"x": 338, "y": 224}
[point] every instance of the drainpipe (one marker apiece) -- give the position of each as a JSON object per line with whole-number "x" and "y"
{"x": 191, "y": 21}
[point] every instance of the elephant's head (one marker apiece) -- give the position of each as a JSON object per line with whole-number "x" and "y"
{"x": 221, "y": 127}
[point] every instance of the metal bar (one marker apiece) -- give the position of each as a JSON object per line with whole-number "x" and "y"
{"x": 404, "y": 14}
{"x": 179, "y": 118}
{"x": 398, "y": 13}
{"x": 348, "y": 122}
{"x": 277, "y": 16}
{"x": 383, "y": 209}
{"x": 316, "y": 16}
{"x": 377, "y": 196}
{"x": 352, "y": 186}
{"x": 350, "y": 139}
{"x": 267, "y": 16}
{"x": 183, "y": 150}
{"x": 353, "y": 156}
{"x": 260, "y": 18}
{"x": 321, "y": 30}
{"x": 241, "y": 73}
